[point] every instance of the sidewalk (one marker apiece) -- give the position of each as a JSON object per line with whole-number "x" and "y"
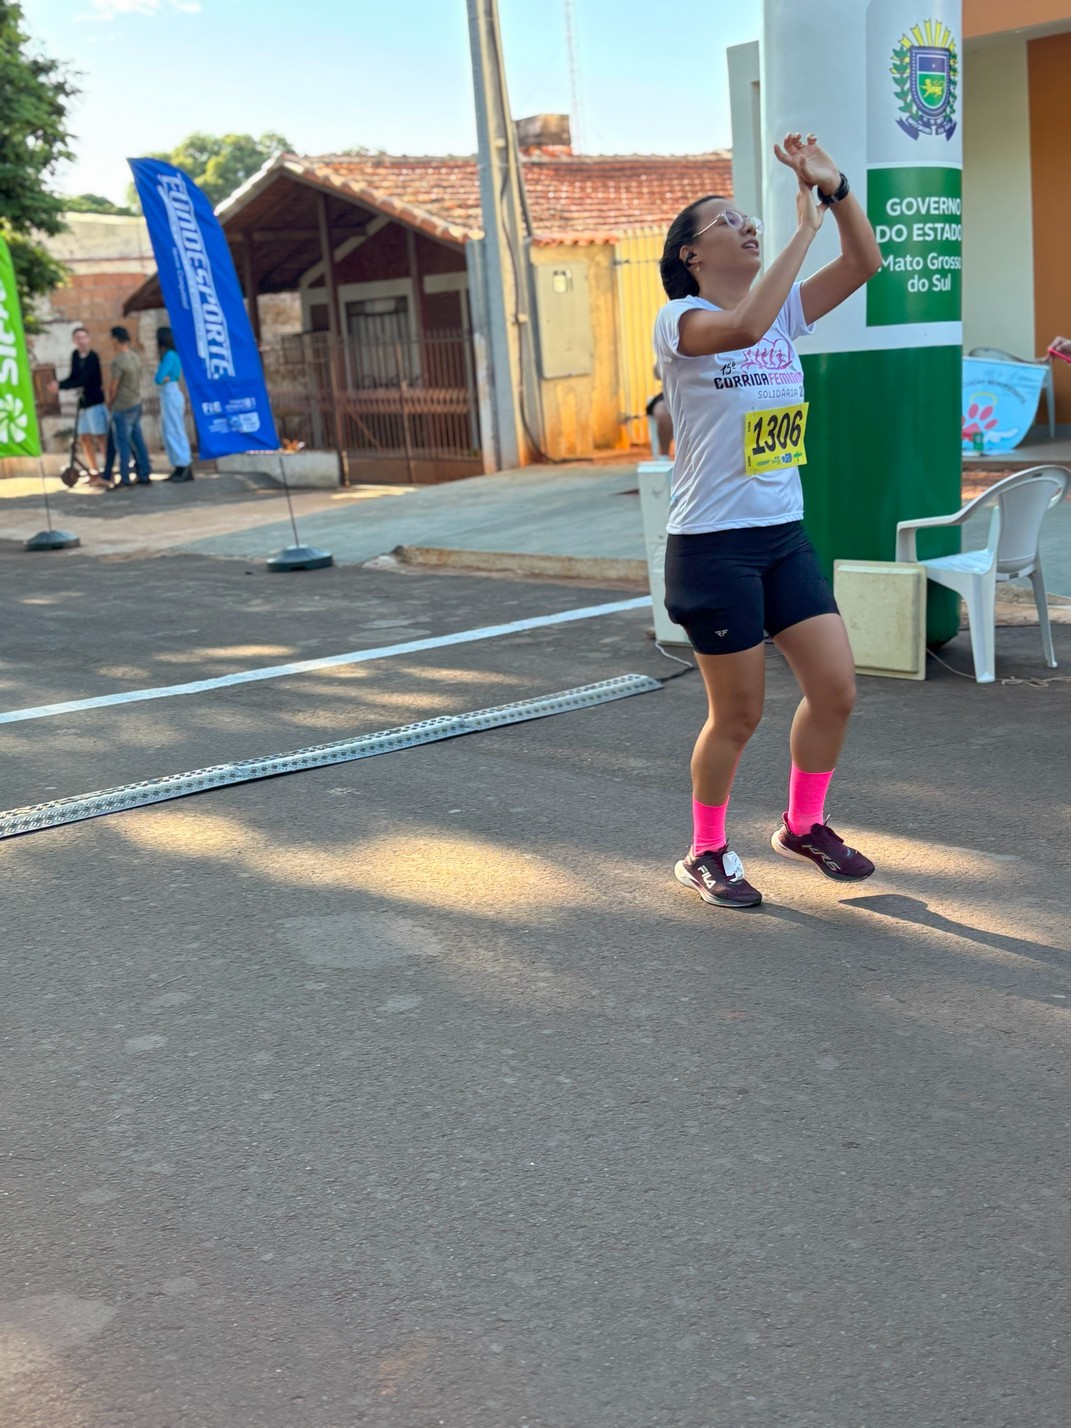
{"x": 557, "y": 522}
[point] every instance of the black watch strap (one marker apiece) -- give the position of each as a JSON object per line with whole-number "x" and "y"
{"x": 829, "y": 199}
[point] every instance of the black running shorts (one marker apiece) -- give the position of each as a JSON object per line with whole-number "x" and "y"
{"x": 730, "y": 588}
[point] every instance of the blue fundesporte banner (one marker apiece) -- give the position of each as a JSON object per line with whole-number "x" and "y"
{"x": 215, "y": 342}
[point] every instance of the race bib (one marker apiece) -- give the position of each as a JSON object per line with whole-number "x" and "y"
{"x": 773, "y": 438}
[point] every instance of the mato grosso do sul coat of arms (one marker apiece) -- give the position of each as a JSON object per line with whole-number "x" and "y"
{"x": 925, "y": 69}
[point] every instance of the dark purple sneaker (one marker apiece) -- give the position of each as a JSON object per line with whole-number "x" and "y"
{"x": 825, "y": 849}
{"x": 718, "y": 878}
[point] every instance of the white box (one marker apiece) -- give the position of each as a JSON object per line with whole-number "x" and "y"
{"x": 884, "y": 607}
{"x": 653, "y": 479}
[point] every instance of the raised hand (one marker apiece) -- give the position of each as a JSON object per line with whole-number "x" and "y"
{"x": 809, "y": 212}
{"x": 808, "y": 161}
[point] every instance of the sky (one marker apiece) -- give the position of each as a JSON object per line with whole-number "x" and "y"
{"x": 392, "y": 75}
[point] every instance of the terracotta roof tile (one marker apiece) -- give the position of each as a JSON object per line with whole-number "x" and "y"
{"x": 575, "y": 198}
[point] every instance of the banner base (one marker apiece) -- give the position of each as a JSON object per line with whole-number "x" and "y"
{"x": 301, "y": 557}
{"x": 52, "y": 540}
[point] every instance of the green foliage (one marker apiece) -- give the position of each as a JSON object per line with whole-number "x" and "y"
{"x": 901, "y": 73}
{"x": 34, "y": 138}
{"x": 220, "y": 163}
{"x": 94, "y": 203}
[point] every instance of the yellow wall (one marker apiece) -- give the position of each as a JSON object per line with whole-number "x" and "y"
{"x": 639, "y": 296}
{"x": 1049, "y": 63}
{"x": 580, "y": 414}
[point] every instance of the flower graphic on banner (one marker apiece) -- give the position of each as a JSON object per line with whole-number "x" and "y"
{"x": 14, "y": 421}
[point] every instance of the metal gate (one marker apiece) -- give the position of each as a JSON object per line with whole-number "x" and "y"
{"x": 639, "y": 296}
{"x": 401, "y": 409}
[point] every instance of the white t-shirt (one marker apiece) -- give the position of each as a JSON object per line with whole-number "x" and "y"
{"x": 709, "y": 398}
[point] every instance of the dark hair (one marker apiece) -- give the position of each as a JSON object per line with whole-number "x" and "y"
{"x": 120, "y": 334}
{"x": 676, "y": 279}
{"x": 80, "y": 328}
{"x": 165, "y": 339}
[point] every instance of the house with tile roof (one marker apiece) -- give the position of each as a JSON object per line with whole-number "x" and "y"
{"x": 394, "y": 382}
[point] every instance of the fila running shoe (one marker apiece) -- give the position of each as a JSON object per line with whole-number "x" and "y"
{"x": 718, "y": 878}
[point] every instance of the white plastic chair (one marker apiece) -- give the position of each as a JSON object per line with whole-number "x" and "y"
{"x": 997, "y": 354}
{"x": 1011, "y": 553}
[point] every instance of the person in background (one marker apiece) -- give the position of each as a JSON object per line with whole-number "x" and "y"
{"x": 92, "y": 421}
{"x": 658, "y": 409}
{"x": 173, "y": 407}
{"x": 124, "y": 398}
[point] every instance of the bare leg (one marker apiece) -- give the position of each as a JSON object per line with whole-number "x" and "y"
{"x": 820, "y": 657}
{"x": 736, "y": 686}
{"x": 89, "y": 451}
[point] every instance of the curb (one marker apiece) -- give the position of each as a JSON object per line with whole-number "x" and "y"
{"x": 554, "y": 567}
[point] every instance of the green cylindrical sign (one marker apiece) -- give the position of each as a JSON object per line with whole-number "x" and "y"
{"x": 18, "y": 414}
{"x": 878, "y": 83}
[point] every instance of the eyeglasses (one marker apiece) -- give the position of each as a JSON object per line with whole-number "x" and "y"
{"x": 735, "y": 220}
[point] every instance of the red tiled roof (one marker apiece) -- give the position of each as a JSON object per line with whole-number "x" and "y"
{"x": 575, "y": 198}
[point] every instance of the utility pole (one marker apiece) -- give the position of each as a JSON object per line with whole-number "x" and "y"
{"x": 504, "y": 266}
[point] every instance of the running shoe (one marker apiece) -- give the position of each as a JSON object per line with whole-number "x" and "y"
{"x": 825, "y": 849}
{"x": 718, "y": 878}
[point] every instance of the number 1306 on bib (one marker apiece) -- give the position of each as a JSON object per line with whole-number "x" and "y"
{"x": 774, "y": 439}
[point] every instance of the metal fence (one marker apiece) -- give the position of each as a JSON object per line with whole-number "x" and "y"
{"x": 400, "y": 409}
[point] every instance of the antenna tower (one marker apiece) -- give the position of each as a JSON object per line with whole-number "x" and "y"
{"x": 577, "y": 116}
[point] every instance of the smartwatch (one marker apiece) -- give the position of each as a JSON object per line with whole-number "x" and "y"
{"x": 829, "y": 199}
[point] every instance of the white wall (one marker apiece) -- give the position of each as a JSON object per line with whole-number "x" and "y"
{"x": 746, "y": 115}
{"x": 998, "y": 241}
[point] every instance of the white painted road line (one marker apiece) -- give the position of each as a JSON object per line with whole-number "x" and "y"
{"x": 281, "y": 671}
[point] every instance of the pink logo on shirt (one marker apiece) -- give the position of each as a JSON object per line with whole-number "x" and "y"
{"x": 774, "y": 356}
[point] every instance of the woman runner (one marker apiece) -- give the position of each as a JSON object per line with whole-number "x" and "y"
{"x": 738, "y": 563}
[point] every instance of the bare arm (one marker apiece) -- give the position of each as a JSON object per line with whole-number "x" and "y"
{"x": 860, "y": 259}
{"x": 704, "y": 333}
{"x": 860, "y": 256}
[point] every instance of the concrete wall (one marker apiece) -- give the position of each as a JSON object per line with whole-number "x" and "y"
{"x": 998, "y": 270}
{"x": 109, "y": 257}
{"x": 745, "y": 107}
{"x": 580, "y": 414}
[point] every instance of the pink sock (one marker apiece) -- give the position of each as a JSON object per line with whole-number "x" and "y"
{"x": 806, "y": 799}
{"x": 708, "y": 826}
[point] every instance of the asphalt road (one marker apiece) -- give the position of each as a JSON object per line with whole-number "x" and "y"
{"x": 414, "y": 1091}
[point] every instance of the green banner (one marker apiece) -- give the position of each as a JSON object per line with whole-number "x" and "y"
{"x": 18, "y": 415}
{"x": 917, "y": 217}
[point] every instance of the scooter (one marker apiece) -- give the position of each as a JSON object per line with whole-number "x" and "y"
{"x": 76, "y": 468}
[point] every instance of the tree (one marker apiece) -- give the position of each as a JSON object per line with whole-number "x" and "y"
{"x": 34, "y": 138}
{"x": 219, "y": 163}
{"x": 94, "y": 203}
